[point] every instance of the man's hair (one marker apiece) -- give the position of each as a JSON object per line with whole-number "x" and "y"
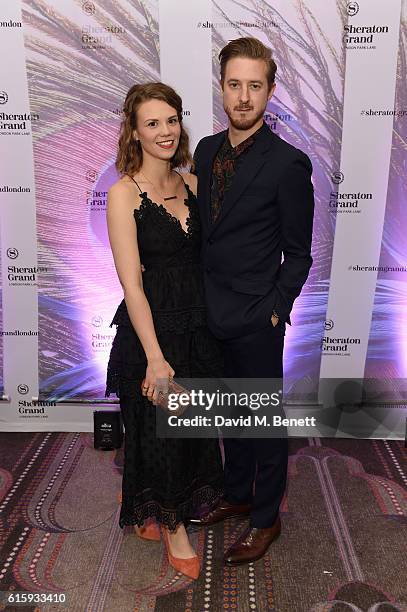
{"x": 251, "y": 48}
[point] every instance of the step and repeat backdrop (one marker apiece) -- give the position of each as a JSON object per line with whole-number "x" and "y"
{"x": 341, "y": 97}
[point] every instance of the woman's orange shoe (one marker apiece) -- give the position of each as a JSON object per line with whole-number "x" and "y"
{"x": 148, "y": 532}
{"x": 189, "y": 567}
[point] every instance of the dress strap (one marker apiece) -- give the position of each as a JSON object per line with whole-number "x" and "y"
{"x": 135, "y": 182}
{"x": 182, "y": 178}
{"x": 187, "y": 187}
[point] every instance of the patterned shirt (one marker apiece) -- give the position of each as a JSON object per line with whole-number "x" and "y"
{"x": 225, "y": 166}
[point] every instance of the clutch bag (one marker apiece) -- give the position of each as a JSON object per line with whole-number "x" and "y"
{"x": 173, "y": 389}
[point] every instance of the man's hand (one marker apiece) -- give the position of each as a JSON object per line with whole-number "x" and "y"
{"x": 274, "y": 320}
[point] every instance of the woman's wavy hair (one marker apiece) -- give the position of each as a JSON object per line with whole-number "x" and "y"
{"x": 130, "y": 154}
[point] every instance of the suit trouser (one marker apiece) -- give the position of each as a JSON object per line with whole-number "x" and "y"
{"x": 256, "y": 469}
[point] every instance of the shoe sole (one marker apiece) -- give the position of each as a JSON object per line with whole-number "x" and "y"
{"x": 254, "y": 558}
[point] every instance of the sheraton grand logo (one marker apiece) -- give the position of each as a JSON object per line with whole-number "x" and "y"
{"x": 91, "y": 175}
{"x": 352, "y": 8}
{"x": 101, "y": 342}
{"x": 347, "y": 202}
{"x": 96, "y": 200}
{"x": 100, "y": 37}
{"x": 22, "y": 275}
{"x": 276, "y": 120}
{"x": 363, "y": 36}
{"x": 344, "y": 201}
{"x": 338, "y": 346}
{"x": 15, "y": 124}
{"x": 12, "y": 253}
{"x": 337, "y": 177}
{"x": 88, "y": 7}
{"x": 34, "y": 408}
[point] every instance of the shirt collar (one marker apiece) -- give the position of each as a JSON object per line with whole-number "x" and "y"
{"x": 242, "y": 146}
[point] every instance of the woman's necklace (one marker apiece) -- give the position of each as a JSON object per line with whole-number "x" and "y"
{"x": 173, "y": 197}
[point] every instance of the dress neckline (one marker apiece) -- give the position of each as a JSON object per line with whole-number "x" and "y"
{"x": 146, "y": 201}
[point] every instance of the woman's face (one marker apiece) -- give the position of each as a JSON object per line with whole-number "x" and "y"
{"x": 158, "y": 129}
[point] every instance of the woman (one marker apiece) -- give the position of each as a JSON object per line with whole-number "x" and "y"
{"x": 153, "y": 225}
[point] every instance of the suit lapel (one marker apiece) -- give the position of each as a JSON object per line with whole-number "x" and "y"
{"x": 254, "y": 159}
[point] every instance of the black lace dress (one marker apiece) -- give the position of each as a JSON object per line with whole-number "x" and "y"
{"x": 165, "y": 479}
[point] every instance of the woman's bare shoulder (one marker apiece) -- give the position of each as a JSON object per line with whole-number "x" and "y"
{"x": 122, "y": 200}
{"x": 191, "y": 181}
{"x": 123, "y": 185}
{"x": 123, "y": 190}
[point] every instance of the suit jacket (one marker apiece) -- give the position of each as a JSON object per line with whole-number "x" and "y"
{"x": 266, "y": 214}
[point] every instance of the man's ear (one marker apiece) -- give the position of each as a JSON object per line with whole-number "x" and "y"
{"x": 271, "y": 92}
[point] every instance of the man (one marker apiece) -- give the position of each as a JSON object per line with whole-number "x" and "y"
{"x": 256, "y": 204}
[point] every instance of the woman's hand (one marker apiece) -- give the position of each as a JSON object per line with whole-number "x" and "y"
{"x": 158, "y": 373}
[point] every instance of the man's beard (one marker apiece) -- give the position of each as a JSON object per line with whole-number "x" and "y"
{"x": 243, "y": 124}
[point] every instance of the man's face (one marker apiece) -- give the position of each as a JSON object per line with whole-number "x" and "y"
{"x": 245, "y": 91}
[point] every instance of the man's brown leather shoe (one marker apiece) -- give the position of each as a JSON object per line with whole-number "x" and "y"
{"x": 223, "y": 511}
{"x": 252, "y": 544}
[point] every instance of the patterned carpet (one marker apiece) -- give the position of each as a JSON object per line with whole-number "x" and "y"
{"x": 343, "y": 545}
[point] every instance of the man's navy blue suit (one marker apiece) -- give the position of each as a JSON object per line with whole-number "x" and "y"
{"x": 256, "y": 258}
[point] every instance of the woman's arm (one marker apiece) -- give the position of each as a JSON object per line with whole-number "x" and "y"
{"x": 122, "y": 231}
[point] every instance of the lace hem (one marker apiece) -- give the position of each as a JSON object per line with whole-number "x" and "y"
{"x": 170, "y": 517}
